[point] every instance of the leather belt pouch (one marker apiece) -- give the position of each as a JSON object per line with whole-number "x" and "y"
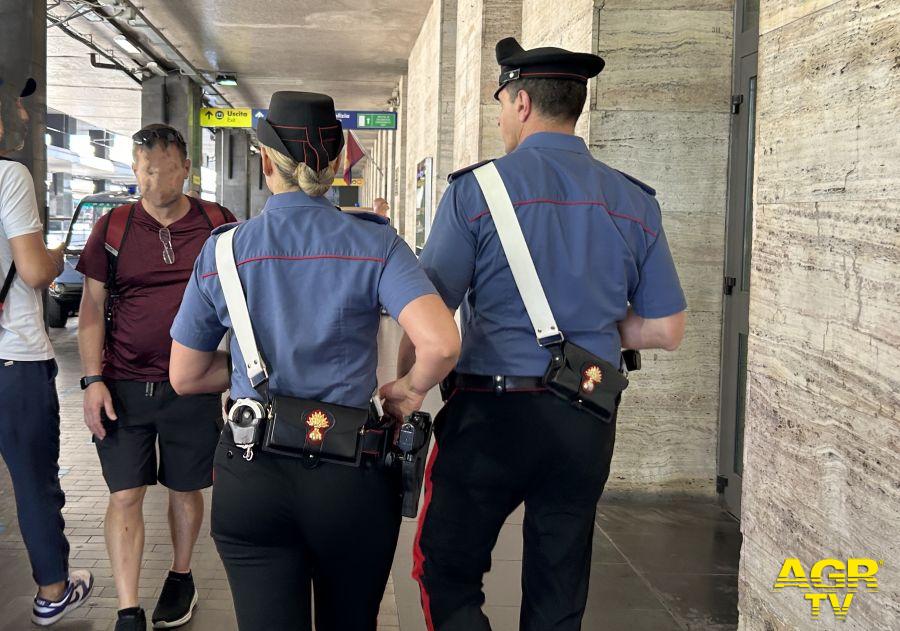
{"x": 316, "y": 431}
{"x": 586, "y": 381}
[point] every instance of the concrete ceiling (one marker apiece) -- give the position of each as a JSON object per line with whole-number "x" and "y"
{"x": 105, "y": 98}
{"x": 353, "y": 50}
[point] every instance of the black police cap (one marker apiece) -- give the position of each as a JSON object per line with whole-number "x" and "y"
{"x": 543, "y": 63}
{"x": 302, "y": 125}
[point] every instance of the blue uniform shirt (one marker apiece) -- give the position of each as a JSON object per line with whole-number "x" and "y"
{"x": 314, "y": 278}
{"x": 597, "y": 241}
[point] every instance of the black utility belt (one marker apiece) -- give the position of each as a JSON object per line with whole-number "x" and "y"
{"x": 313, "y": 431}
{"x": 574, "y": 374}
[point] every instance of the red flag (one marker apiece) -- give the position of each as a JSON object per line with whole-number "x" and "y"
{"x": 354, "y": 153}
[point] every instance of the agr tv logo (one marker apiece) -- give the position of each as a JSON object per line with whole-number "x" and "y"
{"x": 838, "y": 582}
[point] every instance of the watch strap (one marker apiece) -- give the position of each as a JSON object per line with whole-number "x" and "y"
{"x": 86, "y": 381}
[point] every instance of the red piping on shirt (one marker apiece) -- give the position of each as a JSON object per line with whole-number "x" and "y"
{"x": 302, "y": 258}
{"x": 556, "y": 202}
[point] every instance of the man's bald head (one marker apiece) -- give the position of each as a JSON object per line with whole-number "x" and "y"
{"x": 380, "y": 206}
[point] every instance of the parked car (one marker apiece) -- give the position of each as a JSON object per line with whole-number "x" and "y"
{"x": 65, "y": 291}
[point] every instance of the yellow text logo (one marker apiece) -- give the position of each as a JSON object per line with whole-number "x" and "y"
{"x": 830, "y": 582}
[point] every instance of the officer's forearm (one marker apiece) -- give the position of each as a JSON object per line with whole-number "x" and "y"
{"x": 406, "y": 356}
{"x": 198, "y": 372}
{"x": 429, "y": 369}
{"x": 644, "y": 333}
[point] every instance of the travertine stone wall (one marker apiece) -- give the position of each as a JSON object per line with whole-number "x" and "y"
{"x": 662, "y": 114}
{"x": 429, "y": 105}
{"x": 569, "y": 24}
{"x": 480, "y": 25}
{"x": 822, "y": 459}
{"x": 398, "y": 203}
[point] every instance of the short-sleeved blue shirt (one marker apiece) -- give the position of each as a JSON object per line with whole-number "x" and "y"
{"x": 597, "y": 241}
{"x": 314, "y": 279}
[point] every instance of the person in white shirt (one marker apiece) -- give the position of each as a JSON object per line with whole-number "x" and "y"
{"x": 29, "y": 407}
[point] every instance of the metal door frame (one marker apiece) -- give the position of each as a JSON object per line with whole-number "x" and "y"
{"x": 736, "y": 298}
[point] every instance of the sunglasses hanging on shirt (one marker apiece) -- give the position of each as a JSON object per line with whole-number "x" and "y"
{"x": 168, "y": 252}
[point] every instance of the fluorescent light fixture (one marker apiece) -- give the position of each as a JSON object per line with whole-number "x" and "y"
{"x": 226, "y": 78}
{"x": 123, "y": 43}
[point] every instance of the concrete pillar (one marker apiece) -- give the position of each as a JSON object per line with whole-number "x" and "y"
{"x": 429, "y": 108}
{"x": 258, "y": 190}
{"x": 480, "y": 25}
{"x": 389, "y": 167}
{"x": 233, "y": 171}
{"x": 176, "y": 100}
{"x": 23, "y": 45}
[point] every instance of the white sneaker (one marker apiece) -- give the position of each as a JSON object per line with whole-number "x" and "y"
{"x": 78, "y": 589}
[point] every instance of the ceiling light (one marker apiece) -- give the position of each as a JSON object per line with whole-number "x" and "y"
{"x": 123, "y": 43}
{"x": 226, "y": 78}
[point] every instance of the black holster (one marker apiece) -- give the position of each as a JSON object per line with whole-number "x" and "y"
{"x": 410, "y": 454}
{"x": 586, "y": 381}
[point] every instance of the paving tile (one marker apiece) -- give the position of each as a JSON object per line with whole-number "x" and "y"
{"x": 701, "y": 602}
{"x": 681, "y": 549}
{"x": 616, "y": 586}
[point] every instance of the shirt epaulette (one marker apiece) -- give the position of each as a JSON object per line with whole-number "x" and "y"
{"x": 225, "y": 227}
{"x": 368, "y": 216}
{"x": 649, "y": 189}
{"x": 471, "y": 167}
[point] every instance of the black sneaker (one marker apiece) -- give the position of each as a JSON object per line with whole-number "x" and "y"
{"x": 132, "y": 620}
{"x": 176, "y": 602}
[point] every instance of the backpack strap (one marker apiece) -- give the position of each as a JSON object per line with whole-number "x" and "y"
{"x": 214, "y": 219}
{"x": 10, "y": 275}
{"x": 114, "y": 240}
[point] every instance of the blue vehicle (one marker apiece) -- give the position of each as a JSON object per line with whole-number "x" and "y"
{"x": 65, "y": 291}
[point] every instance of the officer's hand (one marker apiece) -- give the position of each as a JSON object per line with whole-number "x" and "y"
{"x": 97, "y": 399}
{"x": 400, "y": 400}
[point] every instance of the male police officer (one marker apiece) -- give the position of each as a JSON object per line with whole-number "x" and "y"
{"x": 596, "y": 239}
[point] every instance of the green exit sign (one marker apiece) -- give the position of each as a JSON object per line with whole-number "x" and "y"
{"x": 383, "y": 120}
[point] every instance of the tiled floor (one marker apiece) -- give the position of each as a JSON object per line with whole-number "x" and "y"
{"x": 657, "y": 564}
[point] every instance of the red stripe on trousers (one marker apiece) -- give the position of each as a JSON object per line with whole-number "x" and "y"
{"x": 418, "y": 556}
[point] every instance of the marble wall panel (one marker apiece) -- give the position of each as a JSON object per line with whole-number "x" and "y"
{"x": 774, "y": 15}
{"x": 828, "y": 88}
{"x": 683, "y": 155}
{"x": 822, "y": 457}
{"x": 664, "y": 60}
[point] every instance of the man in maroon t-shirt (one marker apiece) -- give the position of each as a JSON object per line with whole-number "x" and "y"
{"x": 129, "y": 405}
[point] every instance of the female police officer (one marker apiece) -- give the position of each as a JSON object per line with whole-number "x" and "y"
{"x": 314, "y": 280}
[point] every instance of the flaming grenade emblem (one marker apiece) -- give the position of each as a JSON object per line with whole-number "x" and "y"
{"x": 317, "y": 422}
{"x": 592, "y": 376}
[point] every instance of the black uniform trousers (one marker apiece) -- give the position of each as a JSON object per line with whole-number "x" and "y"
{"x": 492, "y": 454}
{"x": 281, "y": 528}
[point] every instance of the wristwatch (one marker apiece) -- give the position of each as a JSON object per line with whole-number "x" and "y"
{"x": 86, "y": 381}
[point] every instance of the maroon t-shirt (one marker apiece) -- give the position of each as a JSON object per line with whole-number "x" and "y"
{"x": 150, "y": 291}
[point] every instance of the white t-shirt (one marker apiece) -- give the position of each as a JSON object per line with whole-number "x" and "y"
{"x": 22, "y": 334}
